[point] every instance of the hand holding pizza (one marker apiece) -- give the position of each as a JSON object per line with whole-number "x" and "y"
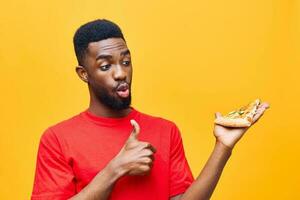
{"x": 230, "y": 128}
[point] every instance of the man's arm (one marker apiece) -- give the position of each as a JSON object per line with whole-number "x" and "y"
{"x": 101, "y": 186}
{"x": 203, "y": 187}
{"x": 226, "y": 138}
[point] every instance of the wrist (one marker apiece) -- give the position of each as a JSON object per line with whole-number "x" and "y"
{"x": 101, "y": 184}
{"x": 223, "y": 147}
{"x": 226, "y": 142}
{"x": 114, "y": 170}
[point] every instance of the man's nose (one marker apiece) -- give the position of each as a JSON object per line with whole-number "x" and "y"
{"x": 119, "y": 73}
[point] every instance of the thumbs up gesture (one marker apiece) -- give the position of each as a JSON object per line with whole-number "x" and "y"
{"x": 135, "y": 157}
{"x": 135, "y": 131}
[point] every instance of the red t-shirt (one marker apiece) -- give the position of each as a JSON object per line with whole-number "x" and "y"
{"x": 72, "y": 152}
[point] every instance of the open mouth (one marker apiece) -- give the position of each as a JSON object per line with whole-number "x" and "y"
{"x": 123, "y": 90}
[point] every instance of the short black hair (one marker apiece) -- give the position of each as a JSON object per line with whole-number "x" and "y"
{"x": 94, "y": 31}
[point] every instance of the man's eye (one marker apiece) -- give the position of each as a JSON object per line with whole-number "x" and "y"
{"x": 105, "y": 67}
{"x": 127, "y": 63}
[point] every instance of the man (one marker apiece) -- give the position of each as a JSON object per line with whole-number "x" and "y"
{"x": 111, "y": 150}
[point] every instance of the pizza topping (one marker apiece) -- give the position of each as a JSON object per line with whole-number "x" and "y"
{"x": 232, "y": 112}
{"x": 249, "y": 119}
{"x": 236, "y": 114}
{"x": 245, "y": 112}
{"x": 241, "y": 112}
{"x": 241, "y": 117}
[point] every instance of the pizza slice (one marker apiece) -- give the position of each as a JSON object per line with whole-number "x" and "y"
{"x": 242, "y": 117}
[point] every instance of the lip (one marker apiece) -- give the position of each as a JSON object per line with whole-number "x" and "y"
{"x": 122, "y": 87}
{"x": 123, "y": 93}
{"x": 122, "y": 90}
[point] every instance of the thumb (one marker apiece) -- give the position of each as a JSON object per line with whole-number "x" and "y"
{"x": 135, "y": 131}
{"x": 217, "y": 115}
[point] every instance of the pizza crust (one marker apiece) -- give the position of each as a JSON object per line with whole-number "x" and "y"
{"x": 242, "y": 117}
{"x": 240, "y": 122}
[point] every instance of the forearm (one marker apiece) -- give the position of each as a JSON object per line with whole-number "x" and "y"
{"x": 203, "y": 187}
{"x": 101, "y": 186}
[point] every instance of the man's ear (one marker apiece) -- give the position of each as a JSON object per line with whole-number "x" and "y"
{"x": 82, "y": 73}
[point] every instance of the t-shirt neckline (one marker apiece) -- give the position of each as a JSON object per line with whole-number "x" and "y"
{"x": 109, "y": 121}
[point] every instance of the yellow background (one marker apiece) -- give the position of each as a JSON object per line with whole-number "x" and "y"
{"x": 191, "y": 58}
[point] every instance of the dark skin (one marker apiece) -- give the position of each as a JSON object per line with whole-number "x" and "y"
{"x": 107, "y": 62}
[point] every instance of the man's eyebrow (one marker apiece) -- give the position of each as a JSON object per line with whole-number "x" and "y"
{"x": 104, "y": 57}
{"x": 124, "y": 53}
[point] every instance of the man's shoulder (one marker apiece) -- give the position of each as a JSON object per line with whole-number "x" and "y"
{"x": 72, "y": 121}
{"x": 65, "y": 125}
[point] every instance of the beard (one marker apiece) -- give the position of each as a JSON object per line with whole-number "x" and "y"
{"x": 110, "y": 101}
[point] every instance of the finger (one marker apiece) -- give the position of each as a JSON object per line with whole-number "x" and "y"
{"x": 135, "y": 131}
{"x": 152, "y": 148}
{"x": 147, "y": 145}
{"x": 217, "y": 115}
{"x": 146, "y": 160}
{"x": 146, "y": 152}
{"x": 264, "y": 105}
{"x": 145, "y": 168}
{"x": 259, "y": 113}
{"x": 152, "y": 157}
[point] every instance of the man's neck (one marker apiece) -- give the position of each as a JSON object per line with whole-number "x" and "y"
{"x": 99, "y": 109}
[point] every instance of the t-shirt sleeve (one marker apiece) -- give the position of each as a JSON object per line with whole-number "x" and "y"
{"x": 54, "y": 178}
{"x": 180, "y": 174}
